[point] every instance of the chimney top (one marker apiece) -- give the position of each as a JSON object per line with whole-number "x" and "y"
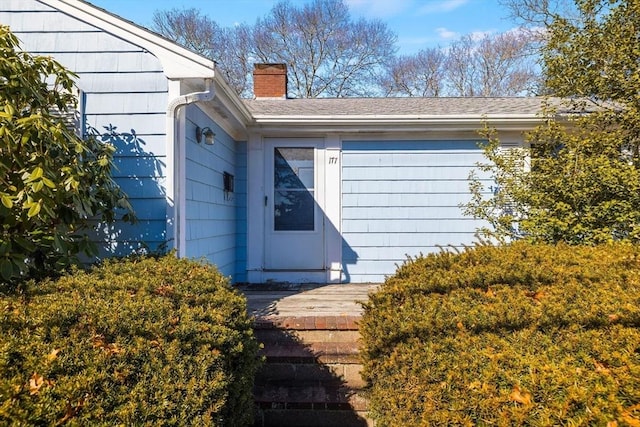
{"x": 270, "y": 81}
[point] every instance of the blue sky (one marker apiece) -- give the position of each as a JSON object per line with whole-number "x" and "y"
{"x": 418, "y": 23}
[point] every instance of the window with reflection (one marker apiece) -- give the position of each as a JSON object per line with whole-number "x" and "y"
{"x": 293, "y": 183}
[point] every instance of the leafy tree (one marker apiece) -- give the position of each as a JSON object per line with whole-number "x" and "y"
{"x": 52, "y": 183}
{"x": 579, "y": 180}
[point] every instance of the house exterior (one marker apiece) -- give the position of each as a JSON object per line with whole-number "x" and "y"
{"x": 268, "y": 189}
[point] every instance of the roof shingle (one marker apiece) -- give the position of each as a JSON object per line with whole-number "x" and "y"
{"x": 461, "y": 106}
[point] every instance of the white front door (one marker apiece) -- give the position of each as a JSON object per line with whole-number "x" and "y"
{"x": 294, "y": 217}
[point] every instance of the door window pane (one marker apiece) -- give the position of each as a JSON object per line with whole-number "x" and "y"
{"x": 293, "y": 182}
{"x": 293, "y": 168}
{"x": 294, "y": 210}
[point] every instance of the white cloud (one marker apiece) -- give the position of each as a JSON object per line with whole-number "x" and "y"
{"x": 441, "y": 6}
{"x": 446, "y": 34}
{"x": 378, "y": 8}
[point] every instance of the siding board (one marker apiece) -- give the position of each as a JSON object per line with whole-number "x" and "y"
{"x": 48, "y": 20}
{"x": 384, "y": 172}
{"x": 109, "y": 62}
{"x": 240, "y": 196}
{"x": 124, "y": 103}
{"x": 24, "y": 6}
{"x": 95, "y": 42}
{"x": 401, "y": 198}
{"x": 406, "y": 186}
{"x": 124, "y": 82}
{"x": 211, "y": 214}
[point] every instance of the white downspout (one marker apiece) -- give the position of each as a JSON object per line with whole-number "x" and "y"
{"x": 177, "y": 142}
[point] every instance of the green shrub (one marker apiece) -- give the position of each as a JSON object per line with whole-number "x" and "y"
{"x": 510, "y": 335}
{"x": 132, "y": 342}
{"x": 53, "y": 185}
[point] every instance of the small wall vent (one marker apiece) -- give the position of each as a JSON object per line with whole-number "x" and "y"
{"x": 228, "y": 185}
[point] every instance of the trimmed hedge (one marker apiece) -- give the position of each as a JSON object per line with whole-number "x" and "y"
{"x": 132, "y": 342}
{"x": 511, "y": 335}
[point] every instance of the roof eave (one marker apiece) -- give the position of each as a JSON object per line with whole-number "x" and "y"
{"x": 177, "y": 62}
{"x": 390, "y": 124}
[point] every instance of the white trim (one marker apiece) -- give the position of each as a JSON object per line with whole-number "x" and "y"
{"x": 176, "y": 125}
{"x": 181, "y": 183}
{"x": 293, "y": 277}
{"x": 395, "y": 118}
{"x": 433, "y": 135}
{"x": 333, "y": 208}
{"x": 171, "y": 168}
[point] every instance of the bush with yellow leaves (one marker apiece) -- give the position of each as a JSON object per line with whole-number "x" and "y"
{"x": 510, "y": 335}
{"x": 133, "y": 342}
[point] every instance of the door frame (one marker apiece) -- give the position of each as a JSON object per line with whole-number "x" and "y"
{"x": 328, "y": 157}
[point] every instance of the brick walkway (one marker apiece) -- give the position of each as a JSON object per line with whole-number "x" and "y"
{"x": 310, "y": 339}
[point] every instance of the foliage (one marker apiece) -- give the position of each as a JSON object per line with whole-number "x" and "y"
{"x": 578, "y": 187}
{"x": 513, "y": 335}
{"x": 141, "y": 341}
{"x": 594, "y": 54}
{"x": 584, "y": 176}
{"x": 52, "y": 182}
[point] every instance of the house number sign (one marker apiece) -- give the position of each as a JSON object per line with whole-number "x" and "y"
{"x": 333, "y": 160}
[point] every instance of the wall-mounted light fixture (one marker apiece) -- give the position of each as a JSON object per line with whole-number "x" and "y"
{"x": 207, "y": 133}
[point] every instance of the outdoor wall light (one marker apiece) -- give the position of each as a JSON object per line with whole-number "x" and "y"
{"x": 209, "y": 135}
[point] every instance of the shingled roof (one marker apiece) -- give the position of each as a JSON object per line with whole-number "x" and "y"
{"x": 388, "y": 107}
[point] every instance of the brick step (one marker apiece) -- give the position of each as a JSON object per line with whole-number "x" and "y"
{"x": 309, "y": 397}
{"x": 293, "y": 373}
{"x": 275, "y": 417}
{"x": 308, "y": 323}
{"x": 312, "y": 372}
{"x": 317, "y": 352}
{"x": 272, "y": 335}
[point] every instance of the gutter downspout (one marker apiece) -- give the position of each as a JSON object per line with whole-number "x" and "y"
{"x": 177, "y": 142}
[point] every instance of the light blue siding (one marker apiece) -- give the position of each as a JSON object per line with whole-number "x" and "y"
{"x": 241, "y": 212}
{"x": 211, "y": 215}
{"x": 125, "y": 94}
{"x": 401, "y": 198}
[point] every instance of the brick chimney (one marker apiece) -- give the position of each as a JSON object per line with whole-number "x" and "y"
{"x": 270, "y": 80}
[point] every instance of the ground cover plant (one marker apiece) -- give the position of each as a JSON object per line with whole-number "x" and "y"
{"x": 136, "y": 342}
{"x": 512, "y": 335}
